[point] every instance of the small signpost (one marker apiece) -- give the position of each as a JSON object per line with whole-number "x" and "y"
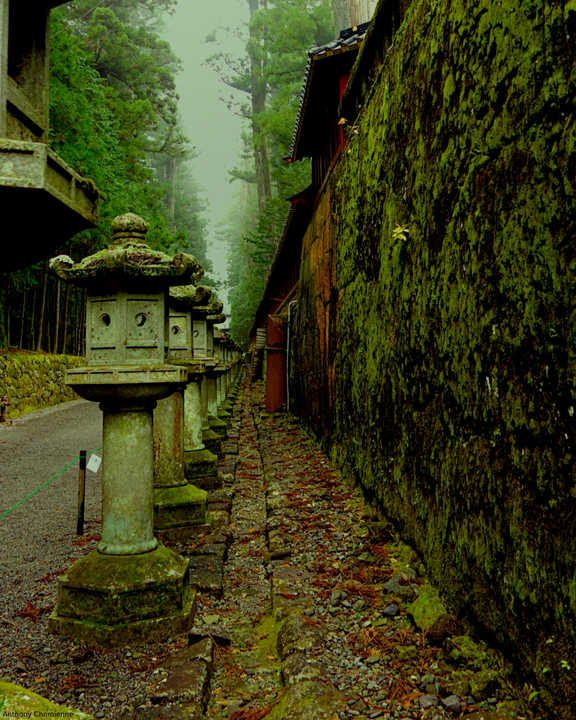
{"x": 81, "y": 490}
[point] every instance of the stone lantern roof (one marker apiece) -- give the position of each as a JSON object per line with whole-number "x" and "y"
{"x": 208, "y": 305}
{"x": 218, "y": 317}
{"x": 189, "y": 296}
{"x": 127, "y": 261}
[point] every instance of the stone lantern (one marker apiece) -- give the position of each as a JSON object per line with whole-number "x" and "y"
{"x": 227, "y": 348}
{"x": 204, "y": 318}
{"x": 218, "y": 337}
{"x": 36, "y": 186}
{"x": 179, "y": 507}
{"x": 201, "y": 445}
{"x": 215, "y": 413}
{"x": 183, "y": 350}
{"x": 130, "y": 589}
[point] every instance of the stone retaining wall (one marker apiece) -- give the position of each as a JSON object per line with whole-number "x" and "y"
{"x": 432, "y": 348}
{"x": 35, "y": 381}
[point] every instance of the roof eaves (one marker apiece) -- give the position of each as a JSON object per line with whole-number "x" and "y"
{"x": 336, "y": 47}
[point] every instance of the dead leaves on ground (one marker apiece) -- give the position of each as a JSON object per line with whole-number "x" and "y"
{"x": 224, "y": 656}
{"x": 147, "y": 664}
{"x": 84, "y": 539}
{"x": 74, "y": 681}
{"x": 82, "y": 656}
{"x": 33, "y": 612}
{"x": 250, "y": 713}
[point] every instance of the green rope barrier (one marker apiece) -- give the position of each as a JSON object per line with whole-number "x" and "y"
{"x": 46, "y": 483}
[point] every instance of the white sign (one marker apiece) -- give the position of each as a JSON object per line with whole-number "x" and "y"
{"x": 94, "y": 463}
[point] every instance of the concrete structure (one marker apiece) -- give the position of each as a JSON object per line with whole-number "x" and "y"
{"x": 130, "y": 589}
{"x": 31, "y": 175}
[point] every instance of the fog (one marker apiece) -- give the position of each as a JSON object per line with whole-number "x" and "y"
{"x": 213, "y": 129}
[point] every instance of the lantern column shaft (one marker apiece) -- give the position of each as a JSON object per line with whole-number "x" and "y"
{"x": 127, "y": 481}
{"x": 193, "y": 417}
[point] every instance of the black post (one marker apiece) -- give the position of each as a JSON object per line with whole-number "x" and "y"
{"x": 81, "y": 483}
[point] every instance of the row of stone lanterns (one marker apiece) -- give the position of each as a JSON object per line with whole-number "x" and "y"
{"x": 143, "y": 369}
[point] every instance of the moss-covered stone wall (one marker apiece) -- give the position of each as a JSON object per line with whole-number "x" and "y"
{"x": 32, "y": 381}
{"x": 440, "y": 369}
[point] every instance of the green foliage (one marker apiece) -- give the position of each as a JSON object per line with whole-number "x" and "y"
{"x": 245, "y": 282}
{"x": 87, "y": 133}
{"x": 113, "y": 118}
{"x": 123, "y": 44}
{"x": 278, "y": 38}
{"x": 286, "y": 31}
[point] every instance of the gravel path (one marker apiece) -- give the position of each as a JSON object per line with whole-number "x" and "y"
{"x": 38, "y": 542}
{"x": 33, "y": 449}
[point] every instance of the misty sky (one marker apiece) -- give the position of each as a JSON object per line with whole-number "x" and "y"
{"x": 212, "y": 128}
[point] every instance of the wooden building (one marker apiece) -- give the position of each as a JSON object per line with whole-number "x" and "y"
{"x": 319, "y": 135}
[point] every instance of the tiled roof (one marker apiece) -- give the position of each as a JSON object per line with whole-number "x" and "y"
{"x": 350, "y": 39}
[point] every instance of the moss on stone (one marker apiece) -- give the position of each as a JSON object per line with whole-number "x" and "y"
{"x": 16, "y": 701}
{"x": 182, "y": 506}
{"x": 33, "y": 381}
{"x": 439, "y": 371}
{"x": 427, "y": 608}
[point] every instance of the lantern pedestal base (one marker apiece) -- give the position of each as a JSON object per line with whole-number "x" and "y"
{"x": 224, "y": 415}
{"x": 201, "y": 469}
{"x": 219, "y": 426}
{"x": 125, "y": 600}
{"x": 179, "y": 511}
{"x": 212, "y": 441}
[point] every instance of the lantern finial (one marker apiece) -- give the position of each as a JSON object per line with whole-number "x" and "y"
{"x": 129, "y": 227}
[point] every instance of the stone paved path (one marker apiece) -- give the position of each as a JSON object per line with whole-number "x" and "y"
{"x": 312, "y": 623}
{"x": 303, "y": 612}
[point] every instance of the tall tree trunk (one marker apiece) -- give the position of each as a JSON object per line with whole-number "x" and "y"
{"x": 66, "y": 306}
{"x": 83, "y": 323}
{"x": 65, "y": 328}
{"x": 3, "y": 303}
{"x": 171, "y": 178}
{"x": 42, "y": 305}
{"x": 22, "y": 317}
{"x": 258, "y": 94}
{"x": 78, "y": 321}
{"x": 348, "y": 13}
{"x": 57, "y": 318}
{"x": 8, "y": 309}
{"x": 31, "y": 341}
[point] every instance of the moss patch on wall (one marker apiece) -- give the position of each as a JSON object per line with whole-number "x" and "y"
{"x": 32, "y": 381}
{"x": 440, "y": 370}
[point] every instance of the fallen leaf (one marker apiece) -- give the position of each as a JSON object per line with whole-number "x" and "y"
{"x": 32, "y": 612}
{"x": 250, "y": 713}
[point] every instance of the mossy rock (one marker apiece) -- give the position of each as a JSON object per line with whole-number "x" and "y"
{"x": 313, "y": 700}
{"x": 298, "y": 635}
{"x": 16, "y": 701}
{"x": 430, "y": 616}
{"x": 484, "y": 684}
{"x": 464, "y": 652}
